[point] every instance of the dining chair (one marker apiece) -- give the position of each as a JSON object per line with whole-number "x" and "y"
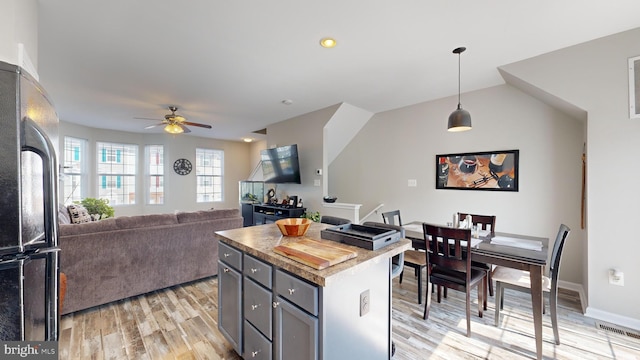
{"x": 334, "y": 220}
{"x": 413, "y": 258}
{"x": 389, "y": 217}
{"x": 484, "y": 222}
{"x": 449, "y": 266}
{"x": 520, "y": 280}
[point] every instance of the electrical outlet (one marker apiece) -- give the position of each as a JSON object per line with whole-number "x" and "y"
{"x": 364, "y": 303}
{"x": 412, "y": 183}
{"x": 316, "y": 182}
{"x": 616, "y": 277}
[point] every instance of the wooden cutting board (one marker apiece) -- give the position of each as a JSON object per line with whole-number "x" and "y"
{"x": 314, "y": 253}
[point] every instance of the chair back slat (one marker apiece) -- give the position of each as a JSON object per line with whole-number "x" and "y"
{"x": 389, "y": 217}
{"x": 556, "y": 254}
{"x": 445, "y": 247}
{"x": 485, "y": 222}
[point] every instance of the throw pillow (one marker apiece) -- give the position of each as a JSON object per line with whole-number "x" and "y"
{"x": 78, "y": 214}
{"x": 63, "y": 215}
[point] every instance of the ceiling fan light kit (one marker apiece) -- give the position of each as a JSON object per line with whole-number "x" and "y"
{"x": 173, "y": 129}
{"x": 460, "y": 119}
{"x": 175, "y": 124}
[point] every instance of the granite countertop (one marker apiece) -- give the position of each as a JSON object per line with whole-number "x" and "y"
{"x": 260, "y": 240}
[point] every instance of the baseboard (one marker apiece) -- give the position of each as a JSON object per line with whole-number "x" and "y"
{"x": 612, "y": 318}
{"x": 577, "y": 288}
{"x": 597, "y": 314}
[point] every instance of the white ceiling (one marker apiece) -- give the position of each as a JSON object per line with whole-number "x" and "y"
{"x": 231, "y": 63}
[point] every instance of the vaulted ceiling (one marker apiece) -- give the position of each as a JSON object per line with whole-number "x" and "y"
{"x": 231, "y": 64}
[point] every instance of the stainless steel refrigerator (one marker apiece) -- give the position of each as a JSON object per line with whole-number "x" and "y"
{"x": 29, "y": 264}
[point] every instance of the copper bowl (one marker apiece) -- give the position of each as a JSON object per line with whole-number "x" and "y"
{"x": 293, "y": 226}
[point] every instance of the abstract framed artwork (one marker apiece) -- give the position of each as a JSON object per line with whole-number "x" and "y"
{"x": 488, "y": 170}
{"x": 634, "y": 87}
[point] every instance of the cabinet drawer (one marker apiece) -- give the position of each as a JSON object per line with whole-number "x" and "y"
{"x": 256, "y": 346}
{"x": 297, "y": 291}
{"x": 230, "y": 256}
{"x": 257, "y": 306}
{"x": 257, "y": 270}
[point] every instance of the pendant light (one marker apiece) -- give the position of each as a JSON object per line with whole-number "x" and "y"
{"x": 460, "y": 119}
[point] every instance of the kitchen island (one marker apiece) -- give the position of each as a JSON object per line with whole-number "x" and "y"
{"x": 273, "y": 307}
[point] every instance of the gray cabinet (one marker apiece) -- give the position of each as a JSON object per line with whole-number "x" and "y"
{"x": 258, "y": 312}
{"x": 296, "y": 321}
{"x": 269, "y": 313}
{"x": 230, "y": 295}
{"x": 256, "y": 346}
{"x": 296, "y": 332}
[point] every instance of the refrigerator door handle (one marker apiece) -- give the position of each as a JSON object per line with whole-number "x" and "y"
{"x": 35, "y": 139}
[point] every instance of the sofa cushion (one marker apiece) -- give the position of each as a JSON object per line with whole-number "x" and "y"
{"x": 204, "y": 215}
{"x": 130, "y": 222}
{"x": 78, "y": 214}
{"x": 88, "y": 228}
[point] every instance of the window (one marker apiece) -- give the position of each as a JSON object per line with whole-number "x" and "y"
{"x": 73, "y": 167}
{"x": 154, "y": 155}
{"x": 117, "y": 172}
{"x": 209, "y": 165}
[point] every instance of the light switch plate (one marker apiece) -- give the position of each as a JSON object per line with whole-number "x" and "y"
{"x": 412, "y": 183}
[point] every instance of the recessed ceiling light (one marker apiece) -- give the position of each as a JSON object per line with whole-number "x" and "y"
{"x": 328, "y": 42}
{"x": 247, "y": 139}
{"x": 287, "y": 101}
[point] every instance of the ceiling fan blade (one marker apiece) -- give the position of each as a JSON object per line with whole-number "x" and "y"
{"x": 143, "y": 118}
{"x": 197, "y": 124}
{"x": 186, "y": 129}
{"x": 154, "y": 125}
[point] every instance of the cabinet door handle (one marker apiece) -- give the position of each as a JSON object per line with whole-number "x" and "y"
{"x": 253, "y": 307}
{"x": 254, "y": 270}
{"x": 275, "y": 304}
{"x": 226, "y": 255}
{"x": 255, "y": 353}
{"x": 226, "y": 270}
{"x": 291, "y": 291}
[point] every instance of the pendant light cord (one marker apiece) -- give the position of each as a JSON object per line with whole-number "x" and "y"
{"x": 459, "y": 105}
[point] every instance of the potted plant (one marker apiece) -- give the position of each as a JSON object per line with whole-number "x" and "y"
{"x": 98, "y": 208}
{"x": 313, "y": 216}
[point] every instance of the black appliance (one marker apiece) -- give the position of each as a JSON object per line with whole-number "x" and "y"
{"x": 29, "y": 253}
{"x": 281, "y": 165}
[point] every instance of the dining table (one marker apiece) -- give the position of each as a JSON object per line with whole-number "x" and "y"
{"x": 512, "y": 255}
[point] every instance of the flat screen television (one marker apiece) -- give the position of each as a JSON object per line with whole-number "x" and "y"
{"x": 280, "y": 165}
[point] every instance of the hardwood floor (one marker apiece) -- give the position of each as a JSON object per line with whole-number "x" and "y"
{"x": 181, "y": 323}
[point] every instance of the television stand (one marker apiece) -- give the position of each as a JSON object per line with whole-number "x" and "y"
{"x": 263, "y": 214}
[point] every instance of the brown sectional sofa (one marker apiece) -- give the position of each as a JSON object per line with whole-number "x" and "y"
{"x": 117, "y": 258}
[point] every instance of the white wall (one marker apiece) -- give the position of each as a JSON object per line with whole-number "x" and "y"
{"x": 401, "y": 144}
{"x": 306, "y": 131}
{"x": 594, "y": 77}
{"x": 179, "y": 190}
{"x": 18, "y": 24}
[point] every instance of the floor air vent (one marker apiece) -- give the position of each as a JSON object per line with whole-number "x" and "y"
{"x": 617, "y": 329}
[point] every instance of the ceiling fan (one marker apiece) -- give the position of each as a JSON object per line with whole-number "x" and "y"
{"x": 174, "y": 123}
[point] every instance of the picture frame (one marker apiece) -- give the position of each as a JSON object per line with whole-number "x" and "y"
{"x": 634, "y": 87}
{"x": 487, "y": 170}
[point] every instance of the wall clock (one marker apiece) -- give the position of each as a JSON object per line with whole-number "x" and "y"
{"x": 182, "y": 166}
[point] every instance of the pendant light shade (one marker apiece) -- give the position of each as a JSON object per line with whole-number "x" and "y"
{"x": 460, "y": 119}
